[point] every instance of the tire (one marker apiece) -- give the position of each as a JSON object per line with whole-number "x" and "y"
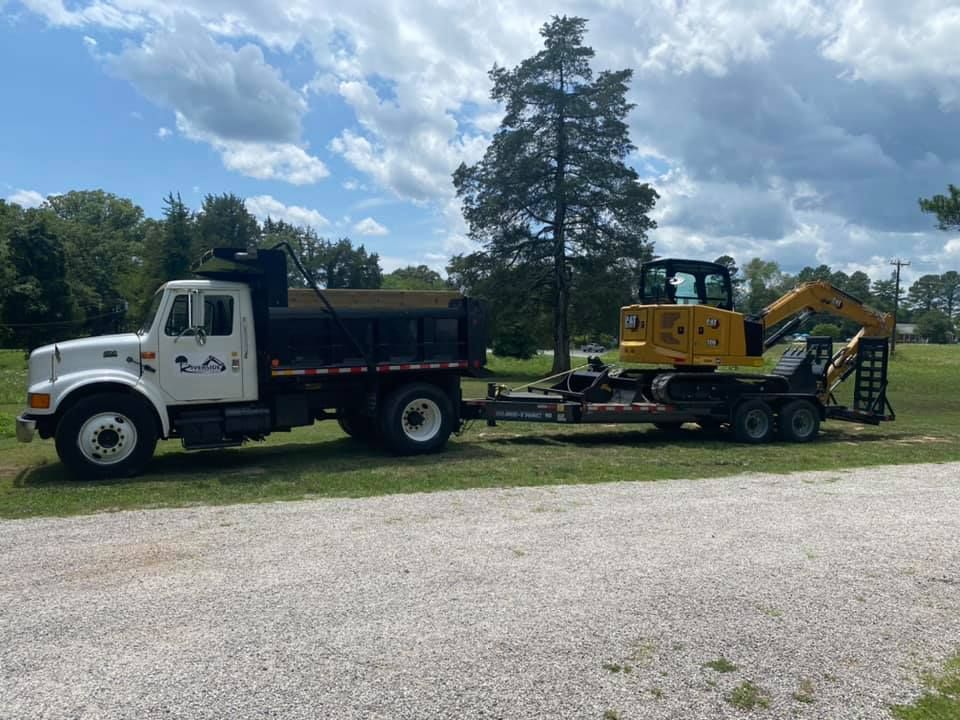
{"x": 799, "y": 421}
{"x": 359, "y": 427}
{"x": 416, "y": 419}
{"x": 753, "y": 422}
{"x": 668, "y": 426}
{"x": 107, "y": 436}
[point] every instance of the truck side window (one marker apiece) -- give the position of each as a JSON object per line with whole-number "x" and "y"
{"x": 218, "y": 314}
{"x": 179, "y": 319}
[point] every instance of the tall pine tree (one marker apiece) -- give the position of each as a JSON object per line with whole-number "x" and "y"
{"x": 553, "y": 184}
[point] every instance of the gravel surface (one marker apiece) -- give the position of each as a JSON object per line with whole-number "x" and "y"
{"x": 513, "y": 603}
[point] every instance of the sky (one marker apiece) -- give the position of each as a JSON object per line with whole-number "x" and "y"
{"x": 800, "y": 131}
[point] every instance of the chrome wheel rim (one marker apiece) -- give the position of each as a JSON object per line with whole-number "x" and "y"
{"x": 421, "y": 420}
{"x": 757, "y": 423}
{"x": 107, "y": 438}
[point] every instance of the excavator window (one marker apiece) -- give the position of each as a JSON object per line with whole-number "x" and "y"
{"x": 686, "y": 282}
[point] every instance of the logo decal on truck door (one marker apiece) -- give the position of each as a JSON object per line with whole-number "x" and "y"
{"x": 210, "y": 366}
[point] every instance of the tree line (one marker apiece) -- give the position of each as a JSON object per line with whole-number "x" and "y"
{"x": 88, "y": 262}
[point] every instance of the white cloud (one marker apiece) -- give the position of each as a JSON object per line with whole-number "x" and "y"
{"x": 369, "y": 226}
{"x": 229, "y": 98}
{"x": 912, "y": 45}
{"x": 233, "y": 94}
{"x": 27, "y": 198}
{"x": 264, "y": 206}
{"x": 89, "y": 42}
{"x": 806, "y": 128}
{"x": 164, "y": 132}
{"x": 261, "y": 160}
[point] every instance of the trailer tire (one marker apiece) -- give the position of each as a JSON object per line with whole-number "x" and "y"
{"x": 359, "y": 427}
{"x": 799, "y": 421}
{"x": 106, "y": 436}
{"x": 753, "y": 422}
{"x": 416, "y": 419}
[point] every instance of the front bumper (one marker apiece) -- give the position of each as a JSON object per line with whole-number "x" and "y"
{"x": 25, "y": 429}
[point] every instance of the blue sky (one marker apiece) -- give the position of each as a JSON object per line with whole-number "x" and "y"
{"x": 801, "y": 131}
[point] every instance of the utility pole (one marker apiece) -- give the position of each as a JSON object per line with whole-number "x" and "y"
{"x": 896, "y": 301}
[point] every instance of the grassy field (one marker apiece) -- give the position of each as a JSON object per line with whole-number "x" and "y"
{"x": 321, "y": 461}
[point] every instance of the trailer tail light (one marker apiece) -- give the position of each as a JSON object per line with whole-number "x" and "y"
{"x": 38, "y": 401}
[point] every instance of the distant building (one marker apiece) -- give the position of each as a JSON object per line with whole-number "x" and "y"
{"x": 907, "y": 333}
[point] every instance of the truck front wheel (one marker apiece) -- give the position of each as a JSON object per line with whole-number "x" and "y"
{"x": 416, "y": 419}
{"x": 108, "y": 435}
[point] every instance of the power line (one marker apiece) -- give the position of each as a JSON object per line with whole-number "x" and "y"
{"x": 899, "y": 262}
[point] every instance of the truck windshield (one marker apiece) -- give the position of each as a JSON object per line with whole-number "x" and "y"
{"x": 151, "y": 312}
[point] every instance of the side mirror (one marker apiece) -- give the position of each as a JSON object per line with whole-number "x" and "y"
{"x": 196, "y": 308}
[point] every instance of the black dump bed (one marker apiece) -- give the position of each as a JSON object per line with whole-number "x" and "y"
{"x": 308, "y": 337}
{"x": 378, "y": 330}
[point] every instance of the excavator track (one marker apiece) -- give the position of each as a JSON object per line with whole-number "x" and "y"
{"x": 684, "y": 387}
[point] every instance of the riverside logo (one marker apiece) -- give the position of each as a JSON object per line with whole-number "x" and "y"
{"x": 210, "y": 366}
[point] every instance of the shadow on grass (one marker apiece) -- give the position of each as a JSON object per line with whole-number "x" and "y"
{"x": 660, "y": 438}
{"x": 254, "y": 464}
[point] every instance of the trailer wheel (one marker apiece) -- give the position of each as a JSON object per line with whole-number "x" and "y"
{"x": 753, "y": 422}
{"x": 108, "y": 435}
{"x": 359, "y": 427}
{"x": 417, "y": 419}
{"x": 799, "y": 421}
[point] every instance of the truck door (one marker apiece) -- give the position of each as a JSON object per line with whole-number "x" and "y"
{"x": 204, "y": 365}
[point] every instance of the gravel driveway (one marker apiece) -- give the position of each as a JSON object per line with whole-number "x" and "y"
{"x": 562, "y": 602}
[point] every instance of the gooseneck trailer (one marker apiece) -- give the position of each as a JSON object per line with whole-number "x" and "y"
{"x": 235, "y": 355}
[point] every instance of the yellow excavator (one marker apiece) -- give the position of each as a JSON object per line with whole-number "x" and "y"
{"x": 686, "y": 318}
{"x": 678, "y": 337}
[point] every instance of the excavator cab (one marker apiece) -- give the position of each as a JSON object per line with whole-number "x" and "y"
{"x": 686, "y": 282}
{"x": 686, "y": 318}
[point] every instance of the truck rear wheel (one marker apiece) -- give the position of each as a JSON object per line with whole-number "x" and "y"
{"x": 108, "y": 435}
{"x": 416, "y": 419}
{"x": 799, "y": 421}
{"x": 753, "y": 422}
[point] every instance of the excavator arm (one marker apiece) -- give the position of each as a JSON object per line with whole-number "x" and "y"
{"x": 822, "y": 297}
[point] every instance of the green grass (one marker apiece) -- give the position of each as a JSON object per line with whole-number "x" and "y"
{"x": 806, "y": 692}
{"x": 721, "y": 665}
{"x": 748, "y": 696}
{"x": 940, "y": 701}
{"x": 320, "y": 461}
